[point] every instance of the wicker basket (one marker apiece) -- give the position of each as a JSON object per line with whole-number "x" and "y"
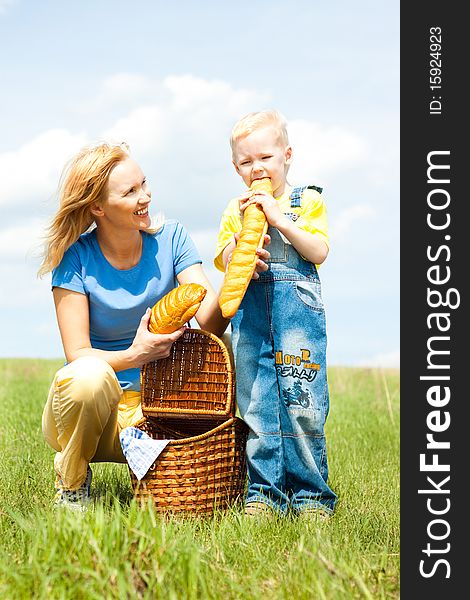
{"x": 196, "y": 380}
{"x": 199, "y": 473}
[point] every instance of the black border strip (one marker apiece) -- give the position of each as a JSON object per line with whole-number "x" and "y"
{"x": 434, "y": 254}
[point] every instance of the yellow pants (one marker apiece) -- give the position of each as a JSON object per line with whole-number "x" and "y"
{"x": 84, "y": 413}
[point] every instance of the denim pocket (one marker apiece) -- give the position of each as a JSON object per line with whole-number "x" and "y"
{"x": 309, "y": 292}
{"x": 278, "y": 253}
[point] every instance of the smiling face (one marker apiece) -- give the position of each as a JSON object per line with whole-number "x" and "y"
{"x": 128, "y": 198}
{"x": 262, "y": 153}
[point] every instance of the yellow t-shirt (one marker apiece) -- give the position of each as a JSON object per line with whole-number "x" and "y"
{"x": 309, "y": 216}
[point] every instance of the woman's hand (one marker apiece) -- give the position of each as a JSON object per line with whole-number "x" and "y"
{"x": 149, "y": 346}
{"x": 73, "y": 317}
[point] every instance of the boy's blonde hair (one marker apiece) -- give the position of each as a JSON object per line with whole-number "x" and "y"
{"x": 84, "y": 182}
{"x": 257, "y": 120}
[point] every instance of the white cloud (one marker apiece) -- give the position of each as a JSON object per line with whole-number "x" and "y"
{"x": 182, "y": 132}
{"x": 187, "y": 111}
{"x": 122, "y": 89}
{"x": 192, "y": 94}
{"x": 179, "y": 127}
{"x": 143, "y": 128}
{"x": 182, "y": 140}
{"x": 320, "y": 151}
{"x": 32, "y": 171}
{"x": 21, "y": 242}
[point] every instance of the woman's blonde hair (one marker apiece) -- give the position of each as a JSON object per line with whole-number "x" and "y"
{"x": 257, "y": 120}
{"x": 83, "y": 184}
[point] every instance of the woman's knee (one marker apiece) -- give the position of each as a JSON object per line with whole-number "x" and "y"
{"x": 86, "y": 379}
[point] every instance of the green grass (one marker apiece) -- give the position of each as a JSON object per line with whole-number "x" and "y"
{"x": 119, "y": 550}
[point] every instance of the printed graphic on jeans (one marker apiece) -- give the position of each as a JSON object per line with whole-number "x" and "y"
{"x": 300, "y": 367}
{"x": 296, "y": 396}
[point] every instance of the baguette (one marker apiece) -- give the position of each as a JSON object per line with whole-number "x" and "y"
{"x": 242, "y": 265}
{"x": 176, "y": 308}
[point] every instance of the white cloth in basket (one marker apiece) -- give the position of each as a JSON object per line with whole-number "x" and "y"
{"x": 140, "y": 449}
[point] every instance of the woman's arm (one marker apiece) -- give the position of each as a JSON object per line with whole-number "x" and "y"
{"x": 74, "y": 324}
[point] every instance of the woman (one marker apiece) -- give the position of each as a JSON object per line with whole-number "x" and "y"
{"x": 105, "y": 279}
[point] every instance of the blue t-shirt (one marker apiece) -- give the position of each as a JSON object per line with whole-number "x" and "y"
{"x": 118, "y": 298}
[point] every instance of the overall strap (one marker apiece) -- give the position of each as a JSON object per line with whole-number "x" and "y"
{"x": 296, "y": 194}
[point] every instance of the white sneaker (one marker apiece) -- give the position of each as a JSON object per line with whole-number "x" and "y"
{"x": 258, "y": 509}
{"x": 314, "y": 514}
{"x": 78, "y": 499}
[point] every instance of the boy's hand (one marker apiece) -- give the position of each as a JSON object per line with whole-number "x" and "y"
{"x": 270, "y": 206}
{"x": 244, "y": 200}
{"x": 262, "y": 256}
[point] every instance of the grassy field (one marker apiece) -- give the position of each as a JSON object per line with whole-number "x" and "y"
{"x": 119, "y": 550}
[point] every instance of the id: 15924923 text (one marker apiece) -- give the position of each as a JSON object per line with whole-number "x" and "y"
{"x": 435, "y": 70}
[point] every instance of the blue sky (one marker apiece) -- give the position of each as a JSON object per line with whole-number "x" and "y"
{"x": 171, "y": 80}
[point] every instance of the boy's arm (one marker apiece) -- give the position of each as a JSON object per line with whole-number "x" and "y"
{"x": 230, "y": 227}
{"x": 229, "y": 233}
{"x": 262, "y": 254}
{"x": 230, "y": 223}
{"x": 310, "y": 245}
{"x": 227, "y": 252}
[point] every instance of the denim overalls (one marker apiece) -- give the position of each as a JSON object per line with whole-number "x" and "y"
{"x": 279, "y": 344}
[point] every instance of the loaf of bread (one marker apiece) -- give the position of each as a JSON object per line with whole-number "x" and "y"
{"x": 176, "y": 308}
{"x": 242, "y": 265}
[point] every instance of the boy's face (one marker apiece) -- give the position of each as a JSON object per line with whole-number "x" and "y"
{"x": 263, "y": 154}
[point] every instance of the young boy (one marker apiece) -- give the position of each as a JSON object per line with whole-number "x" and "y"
{"x": 279, "y": 331}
